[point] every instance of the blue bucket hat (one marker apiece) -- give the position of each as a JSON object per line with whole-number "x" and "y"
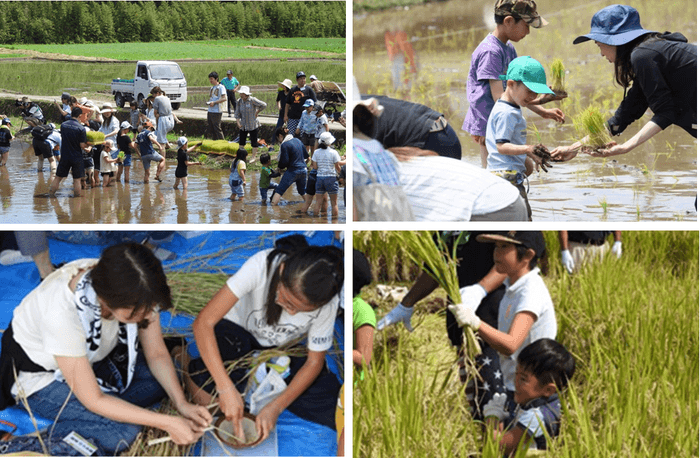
{"x": 614, "y": 25}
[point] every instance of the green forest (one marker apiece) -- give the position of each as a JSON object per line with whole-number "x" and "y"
{"x": 58, "y": 22}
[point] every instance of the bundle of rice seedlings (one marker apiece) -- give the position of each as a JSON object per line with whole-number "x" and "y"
{"x": 202, "y": 158}
{"x": 557, "y": 70}
{"x": 430, "y": 249}
{"x": 95, "y": 138}
{"x": 590, "y": 123}
{"x": 121, "y": 155}
{"x": 222, "y": 147}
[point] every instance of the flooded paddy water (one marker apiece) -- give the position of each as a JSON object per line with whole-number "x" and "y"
{"x": 656, "y": 181}
{"x": 24, "y": 198}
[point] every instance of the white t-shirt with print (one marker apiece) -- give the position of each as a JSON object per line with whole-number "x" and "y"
{"x": 250, "y": 285}
{"x": 528, "y": 294}
{"x": 46, "y": 324}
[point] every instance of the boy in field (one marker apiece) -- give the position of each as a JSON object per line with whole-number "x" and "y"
{"x": 307, "y": 126}
{"x": 266, "y": 173}
{"x": 506, "y": 130}
{"x": 490, "y": 60}
{"x": 543, "y": 371}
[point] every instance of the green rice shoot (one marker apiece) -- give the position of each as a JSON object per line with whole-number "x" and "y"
{"x": 121, "y": 155}
{"x": 558, "y": 74}
{"x": 590, "y": 123}
{"x": 222, "y": 147}
{"x": 95, "y": 138}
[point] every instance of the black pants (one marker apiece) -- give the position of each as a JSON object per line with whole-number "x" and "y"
{"x": 316, "y": 404}
{"x": 231, "y": 96}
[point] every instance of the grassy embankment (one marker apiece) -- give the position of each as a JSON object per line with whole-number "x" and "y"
{"x": 632, "y": 325}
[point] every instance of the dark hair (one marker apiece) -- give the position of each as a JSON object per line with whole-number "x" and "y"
{"x": 361, "y": 272}
{"x": 549, "y": 361}
{"x": 314, "y": 272}
{"x": 130, "y": 276}
{"x": 241, "y": 154}
{"x": 133, "y": 103}
{"x": 363, "y": 120}
{"x": 72, "y": 99}
{"x": 264, "y": 158}
{"x": 156, "y": 90}
{"x": 281, "y": 131}
{"x": 75, "y": 112}
{"x": 543, "y": 260}
{"x": 624, "y": 73}
{"x": 214, "y": 75}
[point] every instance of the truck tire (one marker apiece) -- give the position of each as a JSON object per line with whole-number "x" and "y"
{"x": 176, "y": 105}
{"x": 119, "y": 99}
{"x": 139, "y": 101}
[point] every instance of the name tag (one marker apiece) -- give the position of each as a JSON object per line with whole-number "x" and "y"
{"x": 79, "y": 443}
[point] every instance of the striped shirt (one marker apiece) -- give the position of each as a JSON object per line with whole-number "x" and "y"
{"x": 325, "y": 159}
{"x": 245, "y": 112}
{"x": 371, "y": 155}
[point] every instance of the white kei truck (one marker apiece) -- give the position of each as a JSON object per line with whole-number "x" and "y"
{"x": 149, "y": 74}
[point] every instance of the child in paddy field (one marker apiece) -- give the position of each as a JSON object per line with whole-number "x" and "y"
{"x": 125, "y": 144}
{"x": 276, "y": 297}
{"x": 108, "y": 164}
{"x": 506, "y": 132}
{"x": 266, "y": 173}
{"x": 321, "y": 124}
{"x": 236, "y": 179}
{"x": 183, "y": 161}
{"x": 108, "y": 353}
{"x": 526, "y": 312}
{"x": 543, "y": 371}
{"x": 306, "y": 128}
{"x": 490, "y": 60}
{"x": 327, "y": 161}
{"x": 5, "y": 137}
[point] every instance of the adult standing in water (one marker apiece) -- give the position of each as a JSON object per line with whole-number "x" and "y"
{"x": 217, "y": 96}
{"x": 659, "y": 69}
{"x": 295, "y": 102}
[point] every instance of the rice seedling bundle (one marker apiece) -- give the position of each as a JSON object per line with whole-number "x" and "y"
{"x": 557, "y": 70}
{"x": 202, "y": 158}
{"x": 591, "y": 123}
{"x": 121, "y": 155}
{"x": 430, "y": 249}
{"x": 95, "y": 138}
{"x": 222, "y": 146}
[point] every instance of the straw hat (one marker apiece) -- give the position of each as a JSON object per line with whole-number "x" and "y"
{"x": 107, "y": 107}
{"x": 286, "y": 83}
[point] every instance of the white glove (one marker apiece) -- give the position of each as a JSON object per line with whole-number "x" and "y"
{"x": 398, "y": 313}
{"x": 567, "y": 261}
{"x": 472, "y": 295}
{"x": 496, "y": 407}
{"x": 465, "y": 316}
{"x": 617, "y": 249}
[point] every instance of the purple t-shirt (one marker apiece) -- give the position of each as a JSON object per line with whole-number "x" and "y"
{"x": 489, "y": 60}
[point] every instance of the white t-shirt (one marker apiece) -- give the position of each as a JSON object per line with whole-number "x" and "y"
{"x": 445, "y": 189}
{"x": 326, "y": 158}
{"x": 106, "y": 167}
{"x": 46, "y": 324}
{"x": 110, "y": 125}
{"x": 528, "y": 294}
{"x": 251, "y": 284}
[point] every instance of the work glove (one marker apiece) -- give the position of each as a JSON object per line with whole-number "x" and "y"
{"x": 567, "y": 261}
{"x": 465, "y": 316}
{"x": 472, "y": 295}
{"x": 496, "y": 407}
{"x": 617, "y": 249}
{"x": 397, "y": 314}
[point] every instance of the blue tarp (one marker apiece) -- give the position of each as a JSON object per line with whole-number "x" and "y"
{"x": 210, "y": 251}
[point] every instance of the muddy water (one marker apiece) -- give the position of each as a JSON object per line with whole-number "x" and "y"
{"x": 657, "y": 181}
{"x": 24, "y": 197}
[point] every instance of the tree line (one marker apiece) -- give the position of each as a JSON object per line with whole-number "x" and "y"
{"x": 59, "y": 22}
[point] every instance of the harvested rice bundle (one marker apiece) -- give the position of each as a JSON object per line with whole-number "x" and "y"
{"x": 429, "y": 249}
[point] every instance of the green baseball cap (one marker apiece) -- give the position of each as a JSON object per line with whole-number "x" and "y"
{"x": 523, "y": 9}
{"x": 530, "y": 72}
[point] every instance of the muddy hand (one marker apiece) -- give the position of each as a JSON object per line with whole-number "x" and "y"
{"x": 544, "y": 159}
{"x": 563, "y": 153}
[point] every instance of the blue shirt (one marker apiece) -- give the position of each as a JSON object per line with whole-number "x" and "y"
{"x": 145, "y": 143}
{"x": 506, "y": 125}
{"x": 292, "y": 155}
{"x": 230, "y": 84}
{"x": 54, "y": 139}
{"x": 72, "y": 135}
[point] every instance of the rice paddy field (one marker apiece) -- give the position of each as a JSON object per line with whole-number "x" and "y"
{"x": 656, "y": 181}
{"x": 631, "y": 324}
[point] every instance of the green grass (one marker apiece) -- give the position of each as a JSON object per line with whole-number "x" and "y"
{"x": 631, "y": 324}
{"x": 205, "y": 49}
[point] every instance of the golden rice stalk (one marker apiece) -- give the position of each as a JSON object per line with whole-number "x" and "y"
{"x": 430, "y": 249}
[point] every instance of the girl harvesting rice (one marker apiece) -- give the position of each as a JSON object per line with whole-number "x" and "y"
{"x": 277, "y": 296}
{"x": 76, "y": 341}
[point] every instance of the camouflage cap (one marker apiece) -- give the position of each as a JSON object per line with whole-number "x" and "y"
{"x": 523, "y": 9}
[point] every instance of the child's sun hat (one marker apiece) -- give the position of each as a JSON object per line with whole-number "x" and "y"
{"x": 529, "y": 72}
{"x": 326, "y": 138}
{"x": 520, "y": 9}
{"x": 181, "y": 141}
{"x": 308, "y": 103}
{"x": 614, "y": 25}
{"x": 125, "y": 125}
